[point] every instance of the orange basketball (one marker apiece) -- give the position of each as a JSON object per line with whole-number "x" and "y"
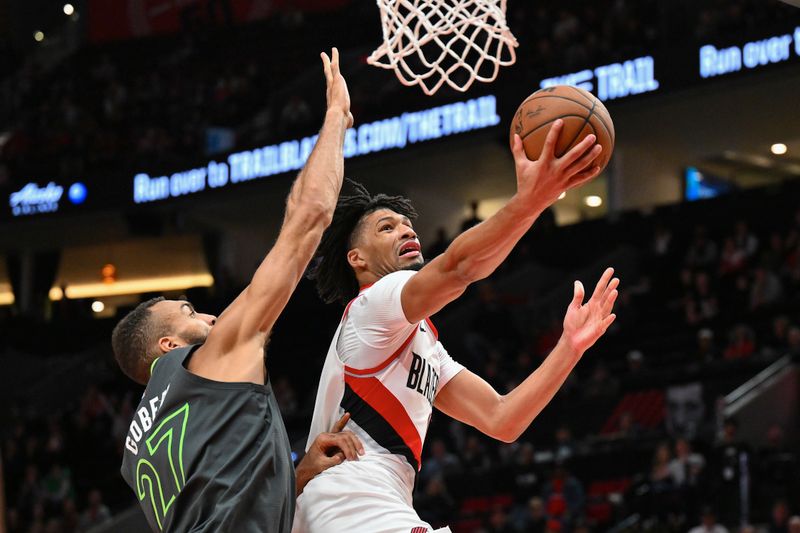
{"x": 581, "y": 112}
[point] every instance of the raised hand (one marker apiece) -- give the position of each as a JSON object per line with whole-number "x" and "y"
{"x": 585, "y": 323}
{"x": 337, "y": 93}
{"x": 542, "y": 181}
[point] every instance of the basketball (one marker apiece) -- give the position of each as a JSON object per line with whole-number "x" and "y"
{"x": 581, "y": 112}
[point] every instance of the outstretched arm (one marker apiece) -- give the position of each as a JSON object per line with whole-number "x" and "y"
{"x": 470, "y": 399}
{"x": 477, "y": 252}
{"x": 234, "y": 348}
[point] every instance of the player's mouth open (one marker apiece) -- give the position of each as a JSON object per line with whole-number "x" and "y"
{"x": 409, "y": 249}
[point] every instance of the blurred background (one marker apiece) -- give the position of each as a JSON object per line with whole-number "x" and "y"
{"x": 147, "y": 146}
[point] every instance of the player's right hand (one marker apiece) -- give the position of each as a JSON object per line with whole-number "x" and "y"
{"x": 337, "y": 93}
{"x": 541, "y": 182}
{"x": 327, "y": 450}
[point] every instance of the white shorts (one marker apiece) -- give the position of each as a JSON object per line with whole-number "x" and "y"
{"x": 358, "y": 496}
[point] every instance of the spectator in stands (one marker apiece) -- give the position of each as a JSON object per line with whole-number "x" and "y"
{"x": 70, "y": 516}
{"x": 661, "y": 261}
{"x": 776, "y": 441}
{"x": 473, "y": 219}
{"x": 702, "y": 252}
{"x": 601, "y": 384}
{"x": 565, "y": 446}
{"x": 773, "y": 257}
{"x": 777, "y": 466}
{"x": 581, "y": 527}
{"x": 563, "y": 495}
{"x": 491, "y": 328}
{"x": 741, "y": 343}
{"x": 779, "y": 519}
{"x": 701, "y": 303}
{"x": 30, "y": 492}
{"x": 14, "y": 521}
{"x": 37, "y": 524}
{"x": 498, "y": 521}
{"x": 97, "y": 513}
{"x": 793, "y": 338}
{"x": 778, "y": 342}
{"x": 54, "y": 445}
{"x": 794, "y": 524}
{"x": 729, "y": 457}
{"x": 439, "y": 245}
{"x": 766, "y": 289}
{"x": 554, "y": 526}
{"x": 531, "y": 518}
{"x": 627, "y": 428}
{"x": 526, "y": 472}
{"x": 474, "y": 457}
{"x": 121, "y": 419}
{"x": 792, "y": 270}
{"x": 732, "y": 260}
{"x": 635, "y": 360}
{"x": 57, "y": 486}
{"x": 745, "y": 240}
{"x": 706, "y": 349}
{"x": 708, "y": 523}
{"x": 736, "y": 297}
{"x": 661, "y": 483}
{"x": 440, "y": 463}
{"x": 687, "y": 466}
{"x": 11, "y": 462}
{"x": 435, "y": 505}
{"x": 662, "y": 244}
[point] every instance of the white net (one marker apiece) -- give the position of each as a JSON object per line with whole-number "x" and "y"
{"x": 433, "y": 42}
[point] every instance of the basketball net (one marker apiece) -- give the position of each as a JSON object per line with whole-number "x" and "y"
{"x": 433, "y": 42}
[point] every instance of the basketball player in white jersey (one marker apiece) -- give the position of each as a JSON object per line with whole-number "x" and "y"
{"x": 385, "y": 365}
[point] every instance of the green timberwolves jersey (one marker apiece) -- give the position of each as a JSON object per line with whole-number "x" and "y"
{"x": 203, "y": 455}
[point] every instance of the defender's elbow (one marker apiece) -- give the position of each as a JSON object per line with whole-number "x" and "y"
{"x": 311, "y": 212}
{"x": 507, "y": 435}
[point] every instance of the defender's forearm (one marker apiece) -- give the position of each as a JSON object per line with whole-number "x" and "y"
{"x": 318, "y": 184}
{"x": 311, "y": 203}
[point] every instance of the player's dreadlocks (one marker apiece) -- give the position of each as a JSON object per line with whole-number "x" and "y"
{"x": 335, "y": 278}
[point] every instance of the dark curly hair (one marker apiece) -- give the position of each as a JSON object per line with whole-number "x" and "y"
{"x": 334, "y": 276}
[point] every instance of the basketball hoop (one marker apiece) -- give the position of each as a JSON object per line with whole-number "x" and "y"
{"x": 432, "y": 42}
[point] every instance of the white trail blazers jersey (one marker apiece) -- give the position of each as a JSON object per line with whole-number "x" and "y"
{"x": 386, "y": 373}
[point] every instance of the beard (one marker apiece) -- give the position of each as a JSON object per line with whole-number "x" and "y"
{"x": 194, "y": 336}
{"x": 416, "y": 267}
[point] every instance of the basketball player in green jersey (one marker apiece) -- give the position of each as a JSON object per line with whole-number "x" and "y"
{"x": 207, "y": 449}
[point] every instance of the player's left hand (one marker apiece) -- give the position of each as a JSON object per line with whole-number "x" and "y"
{"x": 327, "y": 450}
{"x": 585, "y": 323}
{"x": 337, "y": 94}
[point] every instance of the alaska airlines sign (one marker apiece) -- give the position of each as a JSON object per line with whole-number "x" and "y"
{"x": 33, "y": 200}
